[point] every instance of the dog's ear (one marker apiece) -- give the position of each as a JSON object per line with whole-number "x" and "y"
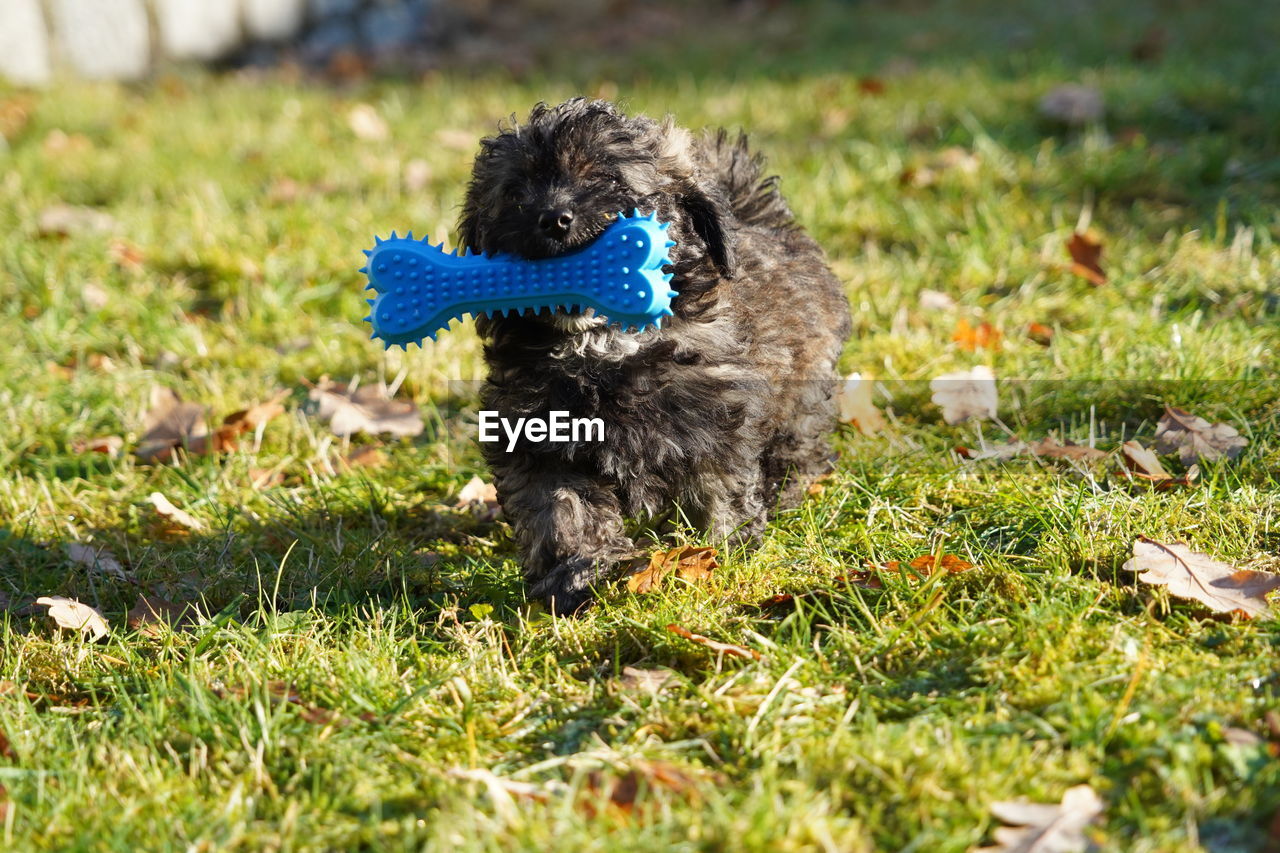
{"x": 708, "y": 213}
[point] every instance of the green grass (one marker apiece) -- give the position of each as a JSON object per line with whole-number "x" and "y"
{"x": 879, "y": 719}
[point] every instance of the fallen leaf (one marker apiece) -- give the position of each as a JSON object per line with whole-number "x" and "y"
{"x": 1086, "y": 257}
{"x": 366, "y": 124}
{"x": 951, "y": 159}
{"x": 926, "y": 564}
{"x": 111, "y": 445}
{"x": 1040, "y": 333}
{"x": 1038, "y": 828}
{"x": 1151, "y": 46}
{"x": 369, "y": 456}
{"x": 966, "y": 394}
{"x": 645, "y": 680}
{"x": 457, "y": 140}
{"x": 416, "y": 175}
{"x": 936, "y": 300}
{"x": 1144, "y": 464}
{"x": 871, "y": 86}
{"x": 1195, "y": 439}
{"x": 1193, "y": 575}
{"x": 620, "y": 791}
{"x": 170, "y": 424}
{"x": 95, "y": 296}
{"x": 1073, "y": 104}
{"x": 59, "y": 143}
{"x": 15, "y": 113}
{"x": 98, "y": 559}
{"x": 1051, "y": 448}
{"x": 480, "y": 498}
{"x": 166, "y": 510}
{"x": 152, "y": 611}
{"x": 857, "y": 407}
{"x": 503, "y": 792}
{"x": 365, "y": 409}
{"x": 126, "y": 255}
{"x": 720, "y": 648}
{"x": 262, "y": 479}
{"x": 72, "y": 615}
{"x": 971, "y": 338}
{"x": 66, "y": 220}
{"x": 689, "y": 562}
{"x": 256, "y": 416}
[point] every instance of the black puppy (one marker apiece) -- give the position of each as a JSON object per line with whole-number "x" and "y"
{"x": 723, "y": 413}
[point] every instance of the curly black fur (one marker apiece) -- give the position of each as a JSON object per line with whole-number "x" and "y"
{"x": 725, "y": 412}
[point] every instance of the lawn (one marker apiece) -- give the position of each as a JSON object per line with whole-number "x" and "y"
{"x": 367, "y": 674}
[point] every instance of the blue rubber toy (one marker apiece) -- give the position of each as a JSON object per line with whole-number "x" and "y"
{"x": 422, "y": 288}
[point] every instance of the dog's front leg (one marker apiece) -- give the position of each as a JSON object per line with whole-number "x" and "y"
{"x": 569, "y": 527}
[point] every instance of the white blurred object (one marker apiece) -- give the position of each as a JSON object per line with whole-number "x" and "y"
{"x": 104, "y": 39}
{"x": 198, "y": 29}
{"x": 24, "y": 46}
{"x": 274, "y": 20}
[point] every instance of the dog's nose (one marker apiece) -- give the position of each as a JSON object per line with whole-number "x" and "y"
{"x": 555, "y": 223}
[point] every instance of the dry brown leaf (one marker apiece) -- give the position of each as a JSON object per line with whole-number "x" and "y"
{"x": 366, "y": 409}
{"x": 152, "y": 611}
{"x": 369, "y": 456}
{"x": 857, "y": 407}
{"x": 952, "y": 159}
{"x": 171, "y": 424}
{"x": 971, "y": 338}
{"x": 1144, "y": 464}
{"x": 1195, "y": 439}
{"x": 111, "y": 445}
{"x": 367, "y": 124}
{"x": 97, "y": 558}
{"x": 871, "y": 86}
{"x": 1073, "y": 104}
{"x": 250, "y": 419}
{"x": 936, "y": 300}
{"x": 716, "y": 646}
{"x": 126, "y": 255}
{"x": 166, "y": 510}
{"x": 66, "y": 220}
{"x": 15, "y": 113}
{"x": 416, "y": 175}
{"x": 620, "y": 792}
{"x": 1086, "y": 257}
{"x": 926, "y": 564}
{"x": 480, "y": 498}
{"x": 262, "y": 479}
{"x": 1051, "y": 448}
{"x": 645, "y": 680}
{"x": 1037, "y": 828}
{"x": 1199, "y": 577}
{"x": 72, "y": 615}
{"x": 1040, "y": 333}
{"x": 966, "y": 394}
{"x": 689, "y": 562}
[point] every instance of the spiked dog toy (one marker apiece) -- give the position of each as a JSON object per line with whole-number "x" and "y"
{"x": 422, "y": 288}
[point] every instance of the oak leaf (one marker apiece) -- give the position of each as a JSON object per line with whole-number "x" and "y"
{"x": 971, "y": 338}
{"x": 97, "y": 559}
{"x": 966, "y": 394}
{"x": 166, "y": 510}
{"x": 856, "y": 405}
{"x": 1039, "y": 828}
{"x": 1086, "y": 257}
{"x": 1198, "y": 577}
{"x": 73, "y": 615}
{"x": 365, "y": 409}
{"x": 1195, "y": 439}
{"x": 689, "y": 562}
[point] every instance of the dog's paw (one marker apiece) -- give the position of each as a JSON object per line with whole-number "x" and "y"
{"x": 568, "y": 589}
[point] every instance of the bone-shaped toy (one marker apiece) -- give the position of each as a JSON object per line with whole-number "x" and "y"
{"x": 422, "y": 288}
